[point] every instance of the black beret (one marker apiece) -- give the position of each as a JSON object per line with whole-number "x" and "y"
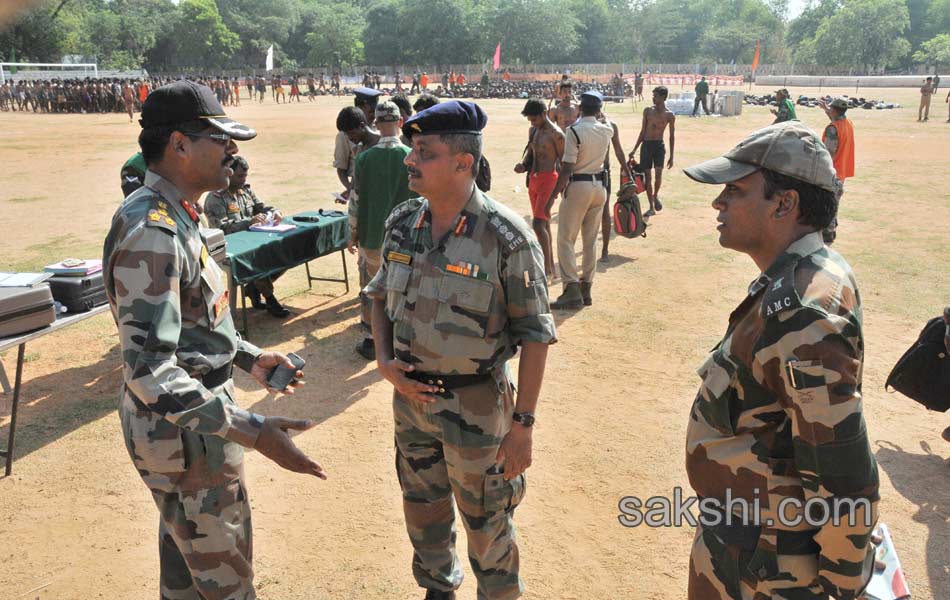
{"x": 447, "y": 118}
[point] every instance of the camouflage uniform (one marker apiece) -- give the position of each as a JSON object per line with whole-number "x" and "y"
{"x": 181, "y": 425}
{"x": 461, "y": 306}
{"x": 232, "y": 212}
{"x": 779, "y": 415}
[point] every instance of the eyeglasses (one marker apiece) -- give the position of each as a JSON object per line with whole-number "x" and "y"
{"x": 221, "y": 138}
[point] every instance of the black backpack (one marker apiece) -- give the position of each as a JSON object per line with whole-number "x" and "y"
{"x": 923, "y": 373}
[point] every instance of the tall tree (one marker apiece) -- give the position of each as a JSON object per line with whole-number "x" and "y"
{"x": 935, "y": 51}
{"x": 864, "y": 33}
{"x": 204, "y": 40}
{"x": 337, "y": 35}
{"x": 527, "y": 32}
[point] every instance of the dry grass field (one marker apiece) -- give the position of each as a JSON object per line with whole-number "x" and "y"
{"x": 77, "y": 523}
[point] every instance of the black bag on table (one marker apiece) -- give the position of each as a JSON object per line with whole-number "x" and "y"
{"x": 79, "y": 294}
{"x": 923, "y": 372}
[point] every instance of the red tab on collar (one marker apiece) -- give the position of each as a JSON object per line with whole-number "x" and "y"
{"x": 189, "y": 209}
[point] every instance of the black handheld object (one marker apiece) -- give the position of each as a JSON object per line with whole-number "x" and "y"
{"x": 306, "y": 219}
{"x": 282, "y": 375}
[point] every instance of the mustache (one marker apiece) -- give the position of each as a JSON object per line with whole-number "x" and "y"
{"x": 228, "y": 161}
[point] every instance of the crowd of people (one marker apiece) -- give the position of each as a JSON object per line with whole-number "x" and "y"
{"x": 91, "y": 95}
{"x": 453, "y": 285}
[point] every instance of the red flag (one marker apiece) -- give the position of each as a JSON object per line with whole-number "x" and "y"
{"x": 755, "y": 59}
{"x": 496, "y": 63}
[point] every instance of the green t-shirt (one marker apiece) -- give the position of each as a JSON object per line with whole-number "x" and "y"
{"x": 382, "y": 183}
{"x": 702, "y": 88}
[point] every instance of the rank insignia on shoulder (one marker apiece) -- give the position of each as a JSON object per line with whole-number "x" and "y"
{"x": 399, "y": 257}
{"x": 157, "y": 218}
{"x": 780, "y": 295}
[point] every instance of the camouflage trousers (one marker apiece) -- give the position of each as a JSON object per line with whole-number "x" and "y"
{"x": 369, "y": 262}
{"x": 197, "y": 483}
{"x": 445, "y": 456}
{"x": 722, "y": 571}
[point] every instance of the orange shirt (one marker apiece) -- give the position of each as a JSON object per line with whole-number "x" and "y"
{"x": 844, "y": 156}
{"x": 452, "y": 78}
{"x": 424, "y": 80}
{"x": 507, "y": 76}
{"x": 461, "y": 79}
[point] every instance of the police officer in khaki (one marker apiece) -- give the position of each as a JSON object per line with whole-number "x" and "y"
{"x": 184, "y": 431}
{"x": 778, "y": 421}
{"x": 585, "y": 179}
{"x": 461, "y": 287}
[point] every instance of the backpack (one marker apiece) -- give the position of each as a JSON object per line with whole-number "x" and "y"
{"x": 483, "y": 179}
{"x": 628, "y": 219}
{"x": 638, "y": 177}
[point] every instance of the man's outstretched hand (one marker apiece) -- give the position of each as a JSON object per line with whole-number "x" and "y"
{"x": 274, "y": 442}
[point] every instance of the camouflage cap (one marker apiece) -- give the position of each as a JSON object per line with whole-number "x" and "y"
{"x": 789, "y": 148}
{"x": 388, "y": 112}
{"x": 841, "y": 103}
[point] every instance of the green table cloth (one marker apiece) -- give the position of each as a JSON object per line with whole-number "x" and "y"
{"x": 256, "y": 254}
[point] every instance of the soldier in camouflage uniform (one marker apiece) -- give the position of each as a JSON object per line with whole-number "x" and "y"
{"x": 183, "y": 430}
{"x": 460, "y": 287}
{"x": 234, "y": 209}
{"x": 779, "y": 411}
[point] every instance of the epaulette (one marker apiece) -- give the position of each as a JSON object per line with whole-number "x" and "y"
{"x": 781, "y": 295}
{"x": 505, "y": 223}
{"x": 158, "y": 217}
{"x": 409, "y": 206}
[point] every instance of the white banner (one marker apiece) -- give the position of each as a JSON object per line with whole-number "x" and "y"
{"x": 269, "y": 62}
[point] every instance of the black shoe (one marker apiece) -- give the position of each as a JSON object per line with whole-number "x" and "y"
{"x": 254, "y": 295}
{"x": 571, "y": 298}
{"x": 275, "y": 309}
{"x": 585, "y": 292}
{"x": 439, "y": 595}
{"x": 366, "y": 349}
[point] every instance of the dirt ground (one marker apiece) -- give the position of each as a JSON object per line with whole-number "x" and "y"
{"x": 77, "y": 523}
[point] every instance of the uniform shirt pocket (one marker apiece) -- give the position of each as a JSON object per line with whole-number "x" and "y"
{"x": 718, "y": 401}
{"x": 396, "y": 283}
{"x": 464, "y": 305}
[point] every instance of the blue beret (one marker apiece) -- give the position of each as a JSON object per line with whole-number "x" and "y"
{"x": 367, "y": 93}
{"x": 592, "y": 97}
{"x": 445, "y": 118}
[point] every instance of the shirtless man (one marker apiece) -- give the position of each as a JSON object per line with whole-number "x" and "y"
{"x": 564, "y": 113}
{"x": 311, "y": 87}
{"x": 655, "y": 120}
{"x": 294, "y": 88}
{"x": 277, "y": 89}
{"x": 543, "y": 158}
{"x": 128, "y": 98}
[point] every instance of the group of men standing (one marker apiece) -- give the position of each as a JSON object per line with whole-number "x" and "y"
{"x": 456, "y": 285}
{"x": 568, "y": 153}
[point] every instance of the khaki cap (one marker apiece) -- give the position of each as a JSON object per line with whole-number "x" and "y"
{"x": 789, "y": 148}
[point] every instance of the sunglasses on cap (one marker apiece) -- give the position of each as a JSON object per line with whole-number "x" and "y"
{"x": 221, "y": 138}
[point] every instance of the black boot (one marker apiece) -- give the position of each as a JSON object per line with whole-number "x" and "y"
{"x": 275, "y": 309}
{"x": 366, "y": 349}
{"x": 254, "y": 295}
{"x": 439, "y": 595}
{"x": 571, "y": 298}
{"x": 585, "y": 292}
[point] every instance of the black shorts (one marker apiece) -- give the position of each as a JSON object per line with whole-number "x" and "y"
{"x": 653, "y": 154}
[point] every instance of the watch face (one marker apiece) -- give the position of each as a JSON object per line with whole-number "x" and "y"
{"x": 525, "y": 419}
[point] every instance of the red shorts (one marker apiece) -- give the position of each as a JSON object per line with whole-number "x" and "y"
{"x": 540, "y": 186}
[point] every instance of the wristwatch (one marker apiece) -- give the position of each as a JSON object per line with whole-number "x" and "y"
{"x": 526, "y": 418}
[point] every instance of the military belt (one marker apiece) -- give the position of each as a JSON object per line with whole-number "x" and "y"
{"x": 746, "y": 537}
{"x": 448, "y": 383}
{"x": 217, "y": 377}
{"x": 602, "y": 176}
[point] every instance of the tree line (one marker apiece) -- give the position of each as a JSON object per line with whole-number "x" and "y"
{"x": 164, "y": 35}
